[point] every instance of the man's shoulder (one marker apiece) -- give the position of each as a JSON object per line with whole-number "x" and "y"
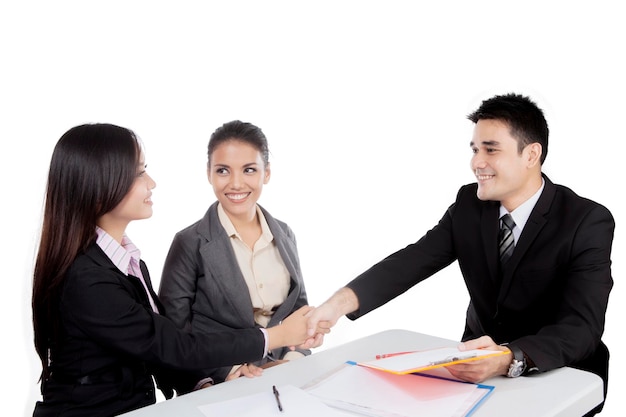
{"x": 570, "y": 205}
{"x": 569, "y": 196}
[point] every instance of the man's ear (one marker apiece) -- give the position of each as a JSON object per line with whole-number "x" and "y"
{"x": 533, "y": 154}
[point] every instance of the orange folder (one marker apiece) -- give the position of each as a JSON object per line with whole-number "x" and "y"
{"x": 402, "y": 363}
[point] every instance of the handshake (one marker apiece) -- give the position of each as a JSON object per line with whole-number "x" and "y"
{"x": 306, "y": 327}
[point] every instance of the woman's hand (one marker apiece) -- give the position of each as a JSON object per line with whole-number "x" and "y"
{"x": 247, "y": 369}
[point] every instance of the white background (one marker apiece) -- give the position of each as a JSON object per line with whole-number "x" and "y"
{"x": 363, "y": 103}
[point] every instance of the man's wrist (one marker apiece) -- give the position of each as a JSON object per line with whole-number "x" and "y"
{"x": 346, "y": 301}
{"x": 518, "y": 365}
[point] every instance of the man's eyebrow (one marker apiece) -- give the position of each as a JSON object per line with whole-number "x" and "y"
{"x": 486, "y": 143}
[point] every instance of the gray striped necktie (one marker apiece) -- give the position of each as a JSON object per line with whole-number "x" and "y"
{"x": 507, "y": 243}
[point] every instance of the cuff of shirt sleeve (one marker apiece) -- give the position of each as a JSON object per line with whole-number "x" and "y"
{"x": 202, "y": 382}
{"x": 267, "y": 341}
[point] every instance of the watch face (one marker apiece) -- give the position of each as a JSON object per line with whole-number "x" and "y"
{"x": 516, "y": 369}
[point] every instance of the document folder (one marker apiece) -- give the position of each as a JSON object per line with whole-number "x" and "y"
{"x": 376, "y": 393}
{"x": 419, "y": 361}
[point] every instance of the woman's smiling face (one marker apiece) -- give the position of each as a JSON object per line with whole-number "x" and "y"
{"x": 237, "y": 173}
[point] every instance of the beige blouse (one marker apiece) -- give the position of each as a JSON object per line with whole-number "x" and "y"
{"x": 262, "y": 267}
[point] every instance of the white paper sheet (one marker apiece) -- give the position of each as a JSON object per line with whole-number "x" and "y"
{"x": 295, "y": 402}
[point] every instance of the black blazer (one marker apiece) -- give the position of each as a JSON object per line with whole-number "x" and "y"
{"x": 550, "y": 300}
{"x": 112, "y": 343}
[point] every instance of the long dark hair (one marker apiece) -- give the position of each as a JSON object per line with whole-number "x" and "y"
{"x": 93, "y": 167}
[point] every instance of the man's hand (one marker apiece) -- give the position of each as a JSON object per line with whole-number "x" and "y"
{"x": 325, "y": 316}
{"x": 481, "y": 369}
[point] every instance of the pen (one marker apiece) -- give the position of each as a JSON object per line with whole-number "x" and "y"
{"x": 452, "y": 359}
{"x": 389, "y": 355}
{"x": 276, "y": 395}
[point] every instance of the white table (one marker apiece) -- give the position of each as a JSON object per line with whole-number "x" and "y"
{"x": 564, "y": 392}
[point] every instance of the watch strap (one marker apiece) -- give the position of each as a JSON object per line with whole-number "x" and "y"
{"x": 518, "y": 364}
{"x": 517, "y": 353}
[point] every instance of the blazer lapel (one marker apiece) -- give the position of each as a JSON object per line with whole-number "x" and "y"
{"x": 532, "y": 228}
{"x": 146, "y": 277}
{"x": 222, "y": 267}
{"x": 98, "y": 256}
{"x": 489, "y": 231}
{"x": 287, "y": 251}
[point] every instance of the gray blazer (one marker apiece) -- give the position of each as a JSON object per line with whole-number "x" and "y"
{"x": 203, "y": 289}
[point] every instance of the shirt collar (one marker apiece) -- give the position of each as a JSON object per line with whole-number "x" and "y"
{"x": 266, "y": 233}
{"x": 120, "y": 254}
{"x": 522, "y": 213}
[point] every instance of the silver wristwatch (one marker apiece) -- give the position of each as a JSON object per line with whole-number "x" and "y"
{"x": 518, "y": 364}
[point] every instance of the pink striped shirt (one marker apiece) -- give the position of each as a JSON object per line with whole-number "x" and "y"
{"x": 125, "y": 257}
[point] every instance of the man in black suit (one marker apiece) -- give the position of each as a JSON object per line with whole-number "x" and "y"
{"x": 542, "y": 293}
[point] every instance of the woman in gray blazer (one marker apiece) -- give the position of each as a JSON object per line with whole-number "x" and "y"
{"x": 237, "y": 267}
